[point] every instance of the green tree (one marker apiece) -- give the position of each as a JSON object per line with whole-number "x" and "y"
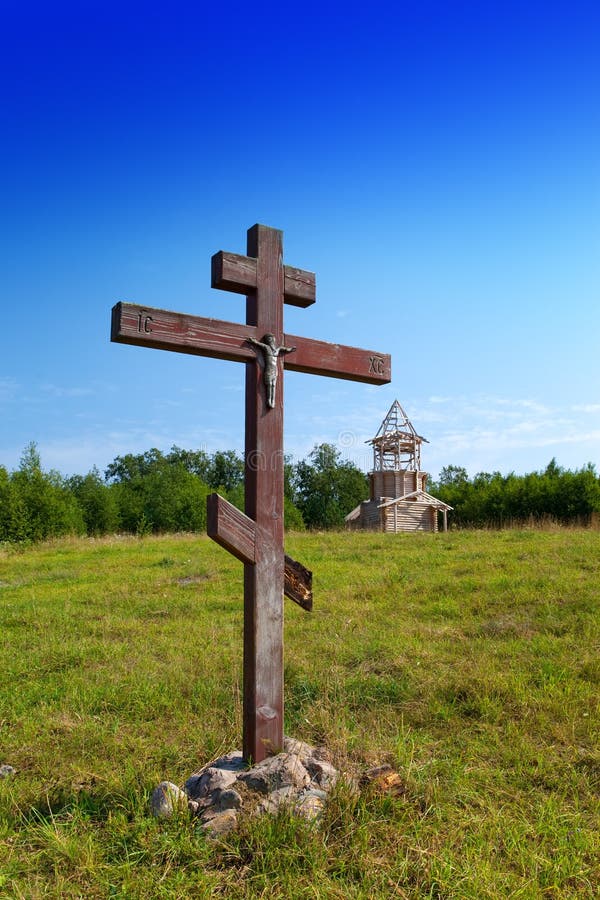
{"x": 453, "y": 475}
{"x": 174, "y": 500}
{"x": 196, "y": 462}
{"x": 495, "y": 499}
{"x": 133, "y": 466}
{"x": 98, "y": 503}
{"x": 43, "y": 506}
{"x": 127, "y": 478}
{"x": 454, "y": 488}
{"x": 9, "y": 528}
{"x": 158, "y": 492}
{"x": 226, "y": 470}
{"x": 292, "y": 517}
{"x": 327, "y": 488}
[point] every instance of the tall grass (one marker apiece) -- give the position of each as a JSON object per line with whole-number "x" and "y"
{"x": 468, "y": 661}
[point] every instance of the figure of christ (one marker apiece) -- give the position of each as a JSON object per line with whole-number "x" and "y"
{"x": 270, "y": 351}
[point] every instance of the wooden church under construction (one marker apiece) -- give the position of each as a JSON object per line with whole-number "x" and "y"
{"x": 398, "y": 497}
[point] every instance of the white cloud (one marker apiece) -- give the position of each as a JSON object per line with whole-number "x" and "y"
{"x": 57, "y": 391}
{"x": 488, "y": 432}
{"x": 9, "y": 390}
{"x": 587, "y": 408}
{"x": 481, "y": 432}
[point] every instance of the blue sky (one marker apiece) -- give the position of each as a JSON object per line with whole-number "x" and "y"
{"x": 436, "y": 164}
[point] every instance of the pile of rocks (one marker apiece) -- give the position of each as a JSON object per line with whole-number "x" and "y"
{"x": 298, "y": 778}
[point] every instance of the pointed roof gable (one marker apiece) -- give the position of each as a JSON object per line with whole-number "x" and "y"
{"x": 421, "y": 496}
{"x": 397, "y": 445}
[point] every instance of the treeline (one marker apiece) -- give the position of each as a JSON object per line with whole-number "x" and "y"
{"x": 496, "y": 500}
{"x": 155, "y": 492}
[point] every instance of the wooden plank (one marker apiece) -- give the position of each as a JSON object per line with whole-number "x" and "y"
{"x": 230, "y": 528}
{"x": 299, "y": 287}
{"x": 298, "y": 583}
{"x": 337, "y": 361}
{"x": 234, "y": 531}
{"x": 237, "y": 273}
{"x": 163, "y": 330}
{"x": 264, "y": 581}
{"x": 233, "y": 272}
{"x": 145, "y": 326}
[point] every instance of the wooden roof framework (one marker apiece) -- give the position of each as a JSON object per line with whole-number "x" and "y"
{"x": 397, "y": 446}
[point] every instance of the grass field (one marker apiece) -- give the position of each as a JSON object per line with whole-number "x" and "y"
{"x": 469, "y": 661}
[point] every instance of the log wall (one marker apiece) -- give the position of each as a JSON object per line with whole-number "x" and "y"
{"x": 369, "y": 517}
{"x": 409, "y": 516}
{"x": 396, "y": 483}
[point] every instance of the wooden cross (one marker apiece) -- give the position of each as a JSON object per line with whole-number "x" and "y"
{"x": 256, "y": 538}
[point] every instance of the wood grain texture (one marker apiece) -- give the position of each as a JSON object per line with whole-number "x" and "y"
{"x": 299, "y": 287}
{"x": 337, "y": 360}
{"x": 264, "y": 581}
{"x": 233, "y": 272}
{"x": 298, "y": 584}
{"x": 183, "y": 333}
{"x": 236, "y": 273}
{"x": 164, "y": 330}
{"x": 230, "y": 528}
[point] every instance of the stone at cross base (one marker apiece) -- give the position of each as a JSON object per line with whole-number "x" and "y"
{"x": 298, "y": 779}
{"x": 256, "y": 536}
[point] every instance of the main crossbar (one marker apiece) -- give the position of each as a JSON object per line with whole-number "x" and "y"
{"x": 165, "y": 330}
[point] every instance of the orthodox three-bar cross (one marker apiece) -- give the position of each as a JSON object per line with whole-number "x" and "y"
{"x": 256, "y": 538}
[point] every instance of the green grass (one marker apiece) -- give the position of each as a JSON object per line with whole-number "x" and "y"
{"x": 469, "y": 661}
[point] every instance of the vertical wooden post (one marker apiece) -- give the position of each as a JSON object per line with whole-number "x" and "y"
{"x": 257, "y": 537}
{"x": 264, "y": 581}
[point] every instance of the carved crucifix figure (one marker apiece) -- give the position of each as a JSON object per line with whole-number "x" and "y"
{"x": 256, "y": 537}
{"x": 270, "y": 351}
